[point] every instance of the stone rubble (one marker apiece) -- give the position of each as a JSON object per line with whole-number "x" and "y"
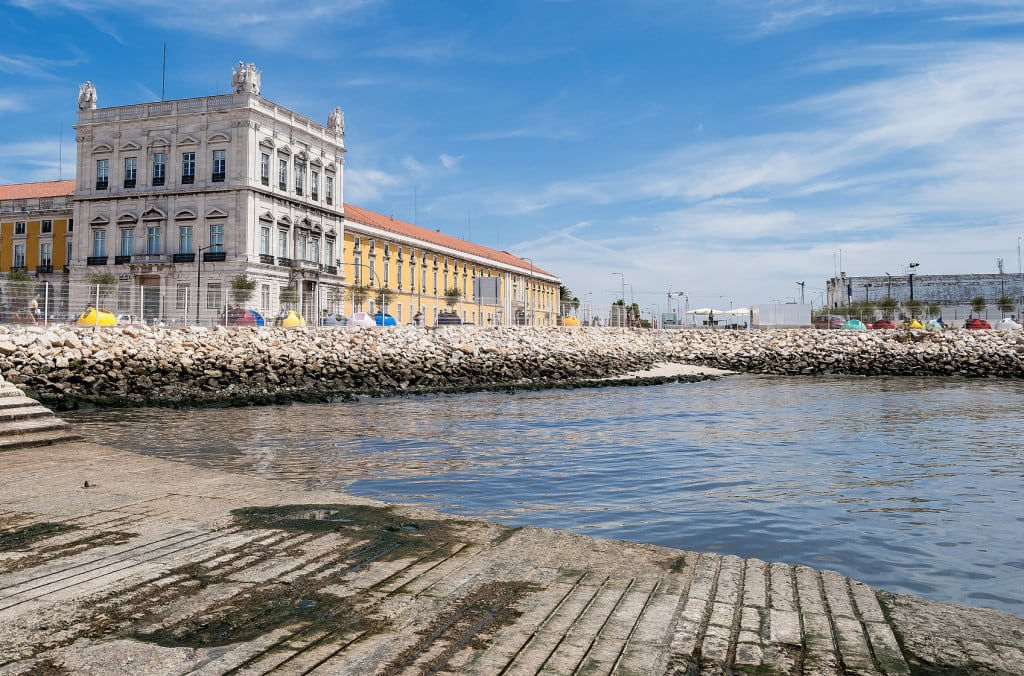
{"x": 65, "y": 366}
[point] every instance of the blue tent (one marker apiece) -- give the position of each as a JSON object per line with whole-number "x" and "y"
{"x": 258, "y": 318}
{"x": 384, "y": 320}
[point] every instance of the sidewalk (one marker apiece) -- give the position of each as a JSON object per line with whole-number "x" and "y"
{"x": 159, "y": 567}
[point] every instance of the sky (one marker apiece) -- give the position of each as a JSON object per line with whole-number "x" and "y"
{"x": 727, "y": 150}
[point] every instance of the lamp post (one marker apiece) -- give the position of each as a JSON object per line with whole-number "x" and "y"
{"x": 910, "y": 276}
{"x": 888, "y": 279}
{"x": 199, "y": 278}
{"x": 622, "y": 289}
{"x": 801, "y": 285}
{"x": 866, "y": 287}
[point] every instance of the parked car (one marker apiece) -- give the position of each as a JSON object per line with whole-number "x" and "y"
{"x": 883, "y": 324}
{"x": 828, "y": 321}
{"x": 977, "y": 323}
{"x": 130, "y": 319}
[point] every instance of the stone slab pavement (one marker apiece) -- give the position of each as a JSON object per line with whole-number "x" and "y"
{"x": 117, "y": 563}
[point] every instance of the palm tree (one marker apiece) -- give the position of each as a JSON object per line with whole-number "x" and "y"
{"x": 913, "y": 306}
{"x": 359, "y": 293}
{"x": 384, "y": 296}
{"x": 888, "y": 306}
{"x": 105, "y": 283}
{"x": 288, "y": 297}
{"x": 452, "y": 296}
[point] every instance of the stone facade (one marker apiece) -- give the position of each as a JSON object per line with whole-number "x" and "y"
{"x": 176, "y": 198}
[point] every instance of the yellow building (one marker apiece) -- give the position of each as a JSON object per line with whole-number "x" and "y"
{"x": 35, "y": 237}
{"x": 438, "y": 277}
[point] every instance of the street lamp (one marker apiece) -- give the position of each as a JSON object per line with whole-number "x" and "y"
{"x": 622, "y": 290}
{"x": 889, "y": 281}
{"x": 866, "y": 287}
{"x": 910, "y": 276}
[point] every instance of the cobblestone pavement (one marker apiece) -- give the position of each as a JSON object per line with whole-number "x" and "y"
{"x": 116, "y": 563}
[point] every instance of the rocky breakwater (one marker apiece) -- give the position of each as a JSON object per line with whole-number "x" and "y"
{"x": 65, "y": 367}
{"x": 893, "y": 352}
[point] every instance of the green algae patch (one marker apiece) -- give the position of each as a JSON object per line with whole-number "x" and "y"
{"x": 26, "y": 536}
{"x": 351, "y": 520}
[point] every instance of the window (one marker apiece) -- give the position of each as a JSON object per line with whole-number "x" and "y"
{"x": 102, "y": 174}
{"x": 300, "y": 176}
{"x": 282, "y": 243}
{"x": 46, "y": 254}
{"x": 265, "y": 169}
{"x": 300, "y": 246}
{"x": 181, "y": 296}
{"x": 329, "y": 189}
{"x": 127, "y": 241}
{"x": 153, "y": 240}
{"x": 358, "y": 264}
{"x": 185, "y": 239}
{"x": 220, "y": 165}
{"x": 282, "y": 174}
{"x": 329, "y": 253}
{"x": 213, "y": 295}
{"x": 265, "y": 241}
{"x": 71, "y": 225}
{"x": 19, "y": 256}
{"x": 217, "y": 237}
{"x": 130, "y": 171}
{"x": 315, "y": 246}
{"x": 46, "y": 227}
{"x": 386, "y": 267}
{"x": 398, "y": 270}
{"x": 314, "y": 184}
{"x": 188, "y": 168}
{"x": 159, "y": 168}
{"x": 435, "y": 281}
{"x": 19, "y": 227}
{"x": 265, "y": 298}
{"x": 99, "y": 243}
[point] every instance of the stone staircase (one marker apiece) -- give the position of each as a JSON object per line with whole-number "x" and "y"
{"x": 25, "y": 422}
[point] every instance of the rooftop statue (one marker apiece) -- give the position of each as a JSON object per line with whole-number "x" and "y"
{"x": 86, "y": 96}
{"x": 336, "y": 121}
{"x": 245, "y": 79}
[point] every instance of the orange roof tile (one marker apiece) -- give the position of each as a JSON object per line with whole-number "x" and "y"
{"x": 27, "y": 191}
{"x": 375, "y": 220}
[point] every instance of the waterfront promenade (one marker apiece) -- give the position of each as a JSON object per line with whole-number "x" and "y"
{"x": 113, "y": 562}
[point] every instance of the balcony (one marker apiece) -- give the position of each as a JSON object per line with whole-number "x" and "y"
{"x": 218, "y": 177}
{"x": 102, "y": 184}
{"x": 265, "y": 180}
{"x": 183, "y": 258}
{"x": 188, "y": 179}
{"x": 122, "y": 260}
{"x": 96, "y": 260}
{"x": 330, "y": 269}
{"x": 44, "y": 268}
{"x": 330, "y": 201}
{"x": 285, "y": 262}
{"x": 129, "y": 182}
{"x": 215, "y": 256}
{"x": 158, "y": 180}
{"x": 266, "y": 259}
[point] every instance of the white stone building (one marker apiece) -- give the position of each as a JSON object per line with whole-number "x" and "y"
{"x": 177, "y": 198}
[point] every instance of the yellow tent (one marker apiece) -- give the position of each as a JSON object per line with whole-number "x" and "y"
{"x": 94, "y": 317}
{"x": 570, "y": 321}
{"x": 293, "y": 318}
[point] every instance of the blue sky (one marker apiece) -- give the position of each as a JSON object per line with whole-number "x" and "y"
{"x": 725, "y": 148}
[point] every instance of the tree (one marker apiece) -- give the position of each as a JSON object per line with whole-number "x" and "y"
{"x": 913, "y": 306}
{"x": 1005, "y": 304}
{"x": 20, "y": 287}
{"x": 359, "y": 294}
{"x": 888, "y": 306}
{"x": 384, "y": 296}
{"x": 106, "y": 283}
{"x": 452, "y": 296}
{"x": 566, "y": 301}
{"x": 934, "y": 309}
{"x": 288, "y": 297}
{"x": 242, "y": 289}
{"x": 978, "y": 304}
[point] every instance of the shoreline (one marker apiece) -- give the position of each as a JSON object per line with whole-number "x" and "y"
{"x": 160, "y": 567}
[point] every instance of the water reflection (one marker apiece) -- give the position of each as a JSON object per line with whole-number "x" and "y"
{"x": 905, "y": 483}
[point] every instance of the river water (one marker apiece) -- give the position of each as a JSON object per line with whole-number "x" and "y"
{"x": 915, "y": 485}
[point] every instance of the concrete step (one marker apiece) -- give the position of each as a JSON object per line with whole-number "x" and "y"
{"x": 39, "y": 438}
